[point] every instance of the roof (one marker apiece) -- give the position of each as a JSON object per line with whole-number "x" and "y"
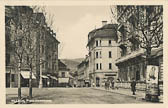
{"x": 62, "y": 66}
{"x": 108, "y": 30}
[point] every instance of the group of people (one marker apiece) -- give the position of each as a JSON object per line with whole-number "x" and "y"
{"x": 110, "y": 85}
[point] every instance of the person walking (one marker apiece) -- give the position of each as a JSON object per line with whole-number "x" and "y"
{"x": 133, "y": 86}
{"x": 112, "y": 84}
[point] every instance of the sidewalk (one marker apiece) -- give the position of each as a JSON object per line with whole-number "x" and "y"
{"x": 139, "y": 94}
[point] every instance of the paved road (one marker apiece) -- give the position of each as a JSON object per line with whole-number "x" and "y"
{"x": 73, "y": 96}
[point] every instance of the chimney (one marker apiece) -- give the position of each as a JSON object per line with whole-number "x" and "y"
{"x": 104, "y": 23}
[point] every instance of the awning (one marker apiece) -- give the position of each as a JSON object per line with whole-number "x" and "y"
{"x": 43, "y": 76}
{"x": 52, "y": 77}
{"x": 70, "y": 76}
{"x": 26, "y": 75}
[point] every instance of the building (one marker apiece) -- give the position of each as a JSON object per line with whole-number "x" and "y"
{"x": 102, "y": 45}
{"x": 49, "y": 57}
{"x": 64, "y": 77}
{"x": 34, "y": 42}
{"x": 132, "y": 61}
{"x": 83, "y": 73}
{"x": 14, "y": 27}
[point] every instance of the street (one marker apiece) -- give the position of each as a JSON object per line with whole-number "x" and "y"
{"x": 71, "y": 96}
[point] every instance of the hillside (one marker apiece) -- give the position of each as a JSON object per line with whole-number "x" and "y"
{"x": 72, "y": 63}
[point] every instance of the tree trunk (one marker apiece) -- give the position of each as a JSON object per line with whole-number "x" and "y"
{"x": 19, "y": 80}
{"x": 40, "y": 82}
{"x": 30, "y": 84}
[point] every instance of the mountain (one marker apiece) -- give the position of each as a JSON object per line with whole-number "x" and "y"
{"x": 72, "y": 63}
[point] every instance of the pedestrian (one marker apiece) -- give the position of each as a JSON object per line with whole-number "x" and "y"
{"x": 133, "y": 86}
{"x": 117, "y": 84}
{"x": 108, "y": 85}
{"x": 48, "y": 83}
{"x": 112, "y": 84}
{"x": 105, "y": 85}
{"x": 93, "y": 84}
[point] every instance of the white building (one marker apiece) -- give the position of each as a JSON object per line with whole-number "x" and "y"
{"x": 103, "y": 52}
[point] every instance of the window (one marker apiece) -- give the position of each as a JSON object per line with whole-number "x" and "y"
{"x": 100, "y": 66}
{"x": 97, "y": 66}
{"x": 110, "y": 65}
{"x": 7, "y": 59}
{"x": 97, "y": 43}
{"x": 100, "y": 54}
{"x": 109, "y": 42}
{"x": 123, "y": 51}
{"x": 63, "y": 74}
{"x": 13, "y": 77}
{"x": 97, "y": 54}
{"x": 110, "y": 54}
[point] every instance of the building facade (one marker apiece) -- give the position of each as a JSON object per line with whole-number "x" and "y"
{"x": 64, "y": 77}
{"x": 27, "y": 40}
{"x": 102, "y": 44}
{"x": 132, "y": 62}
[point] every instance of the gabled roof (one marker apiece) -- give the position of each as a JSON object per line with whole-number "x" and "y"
{"x": 62, "y": 66}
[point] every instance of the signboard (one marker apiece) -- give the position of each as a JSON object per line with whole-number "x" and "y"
{"x": 63, "y": 80}
{"x": 152, "y": 80}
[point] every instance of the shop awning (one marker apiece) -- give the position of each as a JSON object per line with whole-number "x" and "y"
{"x": 43, "y": 76}
{"x": 26, "y": 75}
{"x": 70, "y": 76}
{"x": 52, "y": 77}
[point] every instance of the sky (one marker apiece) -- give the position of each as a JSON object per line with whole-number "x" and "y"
{"x": 72, "y": 25}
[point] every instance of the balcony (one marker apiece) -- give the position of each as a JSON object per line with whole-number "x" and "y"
{"x": 130, "y": 56}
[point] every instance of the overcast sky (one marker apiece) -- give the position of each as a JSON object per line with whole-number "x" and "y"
{"x": 72, "y": 25}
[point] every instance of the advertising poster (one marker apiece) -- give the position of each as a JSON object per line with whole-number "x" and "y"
{"x": 152, "y": 80}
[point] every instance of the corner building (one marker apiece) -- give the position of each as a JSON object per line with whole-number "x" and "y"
{"x": 102, "y": 53}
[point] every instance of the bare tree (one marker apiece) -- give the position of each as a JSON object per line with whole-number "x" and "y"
{"x": 17, "y": 35}
{"x": 26, "y": 31}
{"x": 145, "y": 25}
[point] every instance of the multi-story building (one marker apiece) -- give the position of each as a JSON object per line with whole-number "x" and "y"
{"x": 132, "y": 60}
{"x": 36, "y": 42}
{"x": 102, "y": 53}
{"x": 14, "y": 27}
{"x": 83, "y": 73}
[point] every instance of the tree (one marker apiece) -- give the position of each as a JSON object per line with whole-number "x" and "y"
{"x": 143, "y": 25}
{"x": 27, "y": 25}
{"x": 17, "y": 36}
